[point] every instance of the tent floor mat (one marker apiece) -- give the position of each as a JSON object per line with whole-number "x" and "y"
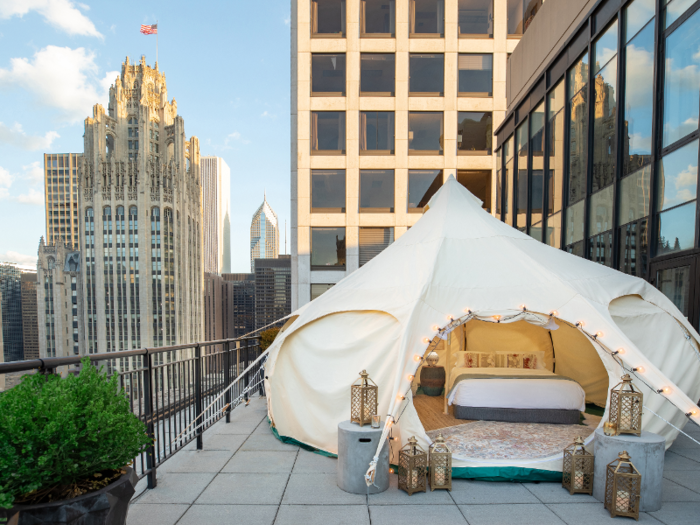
{"x": 488, "y": 440}
{"x": 431, "y": 415}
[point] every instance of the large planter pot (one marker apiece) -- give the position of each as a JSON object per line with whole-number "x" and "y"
{"x": 107, "y": 506}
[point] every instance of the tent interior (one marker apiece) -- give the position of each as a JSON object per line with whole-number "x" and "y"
{"x": 525, "y": 390}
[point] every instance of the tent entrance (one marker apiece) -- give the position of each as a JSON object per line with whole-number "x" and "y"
{"x": 511, "y": 425}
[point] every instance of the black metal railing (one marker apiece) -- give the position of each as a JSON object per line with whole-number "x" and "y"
{"x": 172, "y": 389}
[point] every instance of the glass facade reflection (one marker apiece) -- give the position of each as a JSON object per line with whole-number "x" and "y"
{"x": 601, "y": 157}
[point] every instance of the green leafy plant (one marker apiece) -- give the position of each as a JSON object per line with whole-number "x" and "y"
{"x": 268, "y": 337}
{"x": 55, "y": 433}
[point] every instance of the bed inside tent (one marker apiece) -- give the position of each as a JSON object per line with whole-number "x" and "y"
{"x": 516, "y": 391}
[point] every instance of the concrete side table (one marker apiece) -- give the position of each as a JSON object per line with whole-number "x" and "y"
{"x": 647, "y": 453}
{"x": 356, "y": 448}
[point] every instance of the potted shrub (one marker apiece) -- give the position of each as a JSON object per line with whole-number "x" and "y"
{"x": 268, "y": 337}
{"x": 65, "y": 447}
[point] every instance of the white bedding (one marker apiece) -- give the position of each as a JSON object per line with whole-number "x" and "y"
{"x": 515, "y": 393}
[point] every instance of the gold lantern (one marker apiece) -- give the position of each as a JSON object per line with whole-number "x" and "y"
{"x": 578, "y": 468}
{"x": 622, "y": 487}
{"x": 626, "y": 404}
{"x": 440, "y": 465}
{"x": 363, "y": 400}
{"x": 413, "y": 464}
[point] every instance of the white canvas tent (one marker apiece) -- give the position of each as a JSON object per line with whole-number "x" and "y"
{"x": 458, "y": 258}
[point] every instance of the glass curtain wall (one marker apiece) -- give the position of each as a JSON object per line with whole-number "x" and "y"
{"x": 521, "y": 184}
{"x": 555, "y": 164}
{"x": 537, "y": 174}
{"x": 508, "y": 185}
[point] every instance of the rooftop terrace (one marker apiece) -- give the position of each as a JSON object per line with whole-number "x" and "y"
{"x": 244, "y": 473}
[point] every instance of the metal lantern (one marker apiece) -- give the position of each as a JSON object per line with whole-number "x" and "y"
{"x": 622, "y": 487}
{"x": 432, "y": 358}
{"x": 440, "y": 465}
{"x": 626, "y": 404}
{"x": 363, "y": 400}
{"x": 413, "y": 464}
{"x": 578, "y": 468}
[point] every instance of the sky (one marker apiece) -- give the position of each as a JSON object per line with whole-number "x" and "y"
{"x": 226, "y": 63}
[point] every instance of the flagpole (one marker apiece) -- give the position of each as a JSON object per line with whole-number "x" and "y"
{"x": 156, "y": 41}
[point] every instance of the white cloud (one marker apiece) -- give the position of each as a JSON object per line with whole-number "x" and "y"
{"x": 33, "y": 175}
{"x": 19, "y": 258}
{"x": 288, "y": 21}
{"x": 687, "y": 177}
{"x": 33, "y": 197}
{"x": 267, "y": 114}
{"x": 15, "y": 136}
{"x": 5, "y": 183}
{"x": 62, "y": 78}
{"x": 234, "y": 137}
{"x": 62, "y": 14}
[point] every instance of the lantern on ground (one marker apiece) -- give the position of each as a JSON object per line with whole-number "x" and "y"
{"x": 363, "y": 400}
{"x": 626, "y": 403}
{"x": 622, "y": 487}
{"x": 440, "y": 465}
{"x": 413, "y": 463}
{"x": 578, "y": 468}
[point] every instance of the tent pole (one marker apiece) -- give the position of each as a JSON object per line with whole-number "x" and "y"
{"x": 448, "y": 354}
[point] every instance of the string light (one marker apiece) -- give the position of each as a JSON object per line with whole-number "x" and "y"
{"x": 417, "y": 358}
{"x": 692, "y": 413}
{"x": 639, "y": 369}
{"x": 497, "y": 318}
{"x": 665, "y": 390}
{"x": 436, "y": 328}
{"x": 426, "y": 340}
{"x": 580, "y": 324}
{"x": 598, "y": 334}
{"x": 553, "y": 313}
{"x": 391, "y": 471}
{"x": 450, "y": 318}
{"x": 409, "y": 377}
{"x": 523, "y": 307}
{"x": 467, "y": 310}
{"x": 400, "y": 398}
{"x": 619, "y": 351}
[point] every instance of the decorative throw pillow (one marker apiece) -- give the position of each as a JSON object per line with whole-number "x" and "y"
{"x": 530, "y": 361}
{"x": 487, "y": 360}
{"x": 471, "y": 360}
{"x": 514, "y": 360}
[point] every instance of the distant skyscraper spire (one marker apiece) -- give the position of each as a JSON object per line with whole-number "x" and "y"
{"x": 264, "y": 234}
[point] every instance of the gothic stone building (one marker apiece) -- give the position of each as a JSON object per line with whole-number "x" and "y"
{"x": 141, "y": 219}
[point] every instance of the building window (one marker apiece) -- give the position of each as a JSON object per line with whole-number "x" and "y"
{"x": 328, "y": 248}
{"x": 328, "y": 75}
{"x": 427, "y": 18}
{"x": 328, "y": 18}
{"x": 600, "y": 226}
{"x": 426, "y": 75}
{"x": 578, "y": 131}
{"x": 555, "y": 166}
{"x": 604, "y": 129}
{"x": 633, "y": 215}
{"x": 475, "y": 75}
{"x": 378, "y": 18}
{"x": 376, "y": 191}
{"x": 478, "y": 182}
{"x": 676, "y": 193}
{"x": 521, "y": 182}
{"x": 328, "y": 191}
{"x": 328, "y": 132}
{"x": 520, "y": 15}
{"x": 474, "y": 133}
{"x": 318, "y": 289}
{"x": 499, "y": 184}
{"x": 377, "y": 72}
{"x": 475, "y": 18}
{"x": 508, "y": 180}
{"x": 537, "y": 172}
{"x": 376, "y": 133}
{"x": 425, "y": 130}
{"x": 373, "y": 241}
{"x": 422, "y": 185}
{"x": 681, "y": 88}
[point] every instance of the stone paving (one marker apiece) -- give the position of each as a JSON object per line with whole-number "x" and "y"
{"x": 245, "y": 475}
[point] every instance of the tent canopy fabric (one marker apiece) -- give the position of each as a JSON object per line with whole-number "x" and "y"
{"x": 456, "y": 259}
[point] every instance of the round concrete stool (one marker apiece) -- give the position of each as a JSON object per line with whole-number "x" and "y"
{"x": 647, "y": 453}
{"x": 356, "y": 448}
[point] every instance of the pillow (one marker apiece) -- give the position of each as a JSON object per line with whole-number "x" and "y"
{"x": 480, "y": 360}
{"x": 530, "y": 360}
{"x": 458, "y": 359}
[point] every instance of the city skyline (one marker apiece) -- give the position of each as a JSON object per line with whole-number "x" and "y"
{"x": 80, "y": 52}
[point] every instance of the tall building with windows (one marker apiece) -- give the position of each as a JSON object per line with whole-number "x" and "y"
{"x": 141, "y": 219}
{"x": 243, "y": 291}
{"x": 61, "y": 197}
{"x": 273, "y": 286}
{"x": 598, "y": 154}
{"x": 264, "y": 234}
{"x": 389, "y": 98}
{"x": 60, "y": 301}
{"x": 11, "y": 294}
{"x": 216, "y": 207}
{"x": 30, "y": 321}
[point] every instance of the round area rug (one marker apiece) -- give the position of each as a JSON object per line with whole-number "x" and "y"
{"x": 500, "y": 440}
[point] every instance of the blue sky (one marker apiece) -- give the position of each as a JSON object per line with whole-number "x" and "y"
{"x": 226, "y": 64}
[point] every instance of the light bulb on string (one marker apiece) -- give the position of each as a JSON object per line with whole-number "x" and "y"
{"x": 619, "y": 351}
{"x": 426, "y": 340}
{"x": 400, "y": 398}
{"x": 639, "y": 369}
{"x": 497, "y": 318}
{"x": 436, "y": 328}
{"x": 417, "y": 358}
{"x": 692, "y": 413}
{"x": 409, "y": 377}
{"x": 467, "y": 311}
{"x": 580, "y": 324}
{"x": 391, "y": 471}
{"x": 523, "y": 307}
{"x": 665, "y": 390}
{"x": 553, "y": 313}
{"x": 598, "y": 335}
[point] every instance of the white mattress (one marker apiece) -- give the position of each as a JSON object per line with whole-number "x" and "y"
{"x": 515, "y": 393}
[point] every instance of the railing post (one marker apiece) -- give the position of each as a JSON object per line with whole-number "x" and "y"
{"x": 247, "y": 362}
{"x": 198, "y": 393}
{"x": 148, "y": 414}
{"x": 238, "y": 367}
{"x": 227, "y": 379}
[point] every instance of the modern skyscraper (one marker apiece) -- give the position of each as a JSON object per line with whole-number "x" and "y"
{"x": 216, "y": 207}
{"x": 141, "y": 219}
{"x": 389, "y": 98}
{"x": 264, "y": 234}
{"x": 273, "y": 290}
{"x": 243, "y": 302}
{"x": 30, "y": 321}
{"x": 60, "y": 301}
{"x": 11, "y": 293}
{"x": 61, "y": 197}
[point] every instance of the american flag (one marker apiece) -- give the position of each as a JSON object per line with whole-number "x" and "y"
{"x": 149, "y": 30}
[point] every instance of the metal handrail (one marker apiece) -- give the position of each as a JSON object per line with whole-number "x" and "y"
{"x": 171, "y": 387}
